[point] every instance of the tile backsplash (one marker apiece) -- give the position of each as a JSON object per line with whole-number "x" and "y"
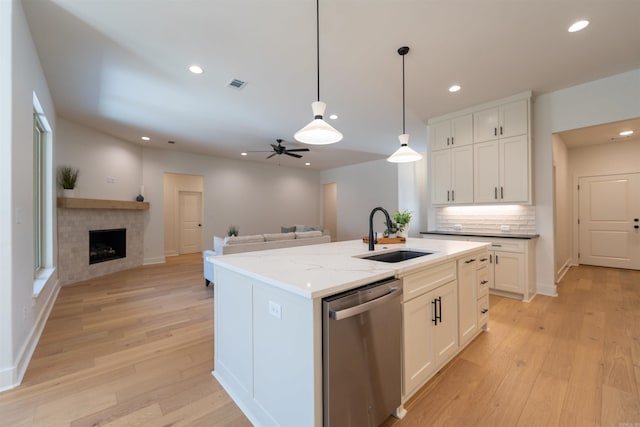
{"x": 519, "y": 218}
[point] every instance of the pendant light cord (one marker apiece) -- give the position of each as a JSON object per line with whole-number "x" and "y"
{"x": 318, "y": 44}
{"x": 403, "y": 129}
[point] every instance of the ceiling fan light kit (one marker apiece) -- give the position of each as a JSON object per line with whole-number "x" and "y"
{"x": 404, "y": 154}
{"x": 318, "y": 132}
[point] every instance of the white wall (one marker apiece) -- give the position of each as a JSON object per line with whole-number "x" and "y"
{"x": 361, "y": 188}
{"x": 412, "y": 193}
{"x": 562, "y": 207}
{"x": 607, "y": 159}
{"x": 22, "y": 315}
{"x": 110, "y": 168}
{"x": 601, "y": 101}
{"x": 256, "y": 197}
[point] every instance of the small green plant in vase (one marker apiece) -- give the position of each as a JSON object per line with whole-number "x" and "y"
{"x": 232, "y": 231}
{"x": 402, "y": 220}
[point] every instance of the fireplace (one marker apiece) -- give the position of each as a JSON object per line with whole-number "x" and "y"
{"x": 106, "y": 245}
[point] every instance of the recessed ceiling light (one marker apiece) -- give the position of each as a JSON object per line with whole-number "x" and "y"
{"x": 333, "y": 116}
{"x": 145, "y": 138}
{"x": 454, "y": 88}
{"x": 243, "y": 154}
{"x": 626, "y": 133}
{"x": 579, "y": 25}
{"x": 196, "y": 69}
{"x": 307, "y": 164}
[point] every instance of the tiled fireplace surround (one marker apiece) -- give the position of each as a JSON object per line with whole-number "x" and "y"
{"x": 73, "y": 241}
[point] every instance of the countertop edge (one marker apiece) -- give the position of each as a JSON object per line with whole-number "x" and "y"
{"x": 497, "y": 234}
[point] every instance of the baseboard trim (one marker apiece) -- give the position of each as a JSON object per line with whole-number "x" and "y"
{"x": 548, "y": 290}
{"x": 155, "y": 260}
{"x": 563, "y": 270}
{"x": 12, "y": 377}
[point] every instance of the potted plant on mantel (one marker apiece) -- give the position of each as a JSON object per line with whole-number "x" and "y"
{"x": 402, "y": 220}
{"x": 67, "y": 177}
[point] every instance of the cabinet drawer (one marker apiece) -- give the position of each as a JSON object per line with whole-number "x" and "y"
{"x": 418, "y": 283}
{"x": 483, "y": 281}
{"x": 483, "y": 310}
{"x": 483, "y": 260}
{"x": 511, "y": 245}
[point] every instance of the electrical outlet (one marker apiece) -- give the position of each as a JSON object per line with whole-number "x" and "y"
{"x": 457, "y": 227}
{"x": 275, "y": 310}
{"x": 505, "y": 228}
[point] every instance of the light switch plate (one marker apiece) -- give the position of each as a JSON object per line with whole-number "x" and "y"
{"x": 275, "y": 310}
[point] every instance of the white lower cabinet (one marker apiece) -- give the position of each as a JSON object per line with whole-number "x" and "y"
{"x": 508, "y": 271}
{"x": 430, "y": 334}
{"x": 440, "y": 316}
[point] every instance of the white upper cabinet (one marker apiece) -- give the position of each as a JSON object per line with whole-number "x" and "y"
{"x": 482, "y": 154}
{"x": 504, "y": 121}
{"x": 450, "y": 133}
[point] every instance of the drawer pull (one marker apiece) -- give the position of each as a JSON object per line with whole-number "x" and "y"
{"x": 483, "y": 259}
{"x": 495, "y": 245}
{"x": 469, "y": 261}
{"x": 484, "y": 282}
{"x": 484, "y": 310}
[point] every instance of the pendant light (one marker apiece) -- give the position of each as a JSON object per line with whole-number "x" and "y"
{"x": 318, "y": 132}
{"x": 404, "y": 154}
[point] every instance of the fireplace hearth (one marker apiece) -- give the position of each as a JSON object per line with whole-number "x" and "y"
{"x": 107, "y": 245}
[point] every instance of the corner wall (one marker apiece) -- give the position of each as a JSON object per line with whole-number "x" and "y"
{"x": 22, "y": 314}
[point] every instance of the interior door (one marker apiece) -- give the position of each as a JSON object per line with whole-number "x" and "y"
{"x": 609, "y": 220}
{"x": 190, "y": 222}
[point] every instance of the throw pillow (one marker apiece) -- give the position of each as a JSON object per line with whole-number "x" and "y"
{"x": 290, "y": 229}
{"x": 312, "y": 228}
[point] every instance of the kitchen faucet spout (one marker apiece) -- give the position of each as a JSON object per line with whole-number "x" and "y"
{"x": 372, "y": 241}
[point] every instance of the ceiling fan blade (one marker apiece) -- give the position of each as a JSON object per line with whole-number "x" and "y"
{"x": 268, "y": 157}
{"x": 297, "y": 156}
{"x": 275, "y": 147}
{"x": 298, "y": 149}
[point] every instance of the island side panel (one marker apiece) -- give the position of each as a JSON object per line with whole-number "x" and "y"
{"x": 233, "y": 330}
{"x": 277, "y": 332}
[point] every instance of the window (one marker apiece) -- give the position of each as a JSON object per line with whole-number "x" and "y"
{"x": 39, "y": 193}
{"x": 43, "y": 200}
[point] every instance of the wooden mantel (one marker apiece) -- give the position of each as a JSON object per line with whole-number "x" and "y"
{"x": 74, "y": 203}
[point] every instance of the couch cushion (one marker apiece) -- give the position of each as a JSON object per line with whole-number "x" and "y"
{"x": 308, "y": 234}
{"x": 288, "y": 229}
{"x": 235, "y": 240}
{"x": 279, "y": 236}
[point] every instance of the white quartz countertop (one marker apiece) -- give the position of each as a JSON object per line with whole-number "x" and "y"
{"x": 317, "y": 271}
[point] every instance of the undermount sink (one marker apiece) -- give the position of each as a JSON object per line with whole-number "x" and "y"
{"x": 397, "y": 256}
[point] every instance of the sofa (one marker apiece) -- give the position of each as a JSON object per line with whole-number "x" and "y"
{"x": 260, "y": 242}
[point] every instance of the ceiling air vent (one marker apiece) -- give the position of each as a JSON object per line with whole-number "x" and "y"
{"x": 237, "y": 84}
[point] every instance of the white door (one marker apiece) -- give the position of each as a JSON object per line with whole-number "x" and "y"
{"x": 609, "y": 220}
{"x": 190, "y": 222}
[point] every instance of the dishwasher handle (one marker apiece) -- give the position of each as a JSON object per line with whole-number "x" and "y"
{"x": 352, "y": 311}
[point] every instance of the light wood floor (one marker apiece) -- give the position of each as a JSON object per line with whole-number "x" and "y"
{"x": 136, "y": 348}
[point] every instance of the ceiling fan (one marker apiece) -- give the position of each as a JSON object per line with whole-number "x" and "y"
{"x": 281, "y": 149}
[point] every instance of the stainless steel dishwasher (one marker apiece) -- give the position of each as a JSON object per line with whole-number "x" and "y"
{"x": 361, "y": 345}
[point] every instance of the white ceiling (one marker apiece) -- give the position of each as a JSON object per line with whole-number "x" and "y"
{"x": 120, "y": 66}
{"x": 602, "y": 134}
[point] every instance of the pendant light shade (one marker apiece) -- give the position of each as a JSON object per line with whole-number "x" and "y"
{"x": 318, "y": 132}
{"x": 404, "y": 154}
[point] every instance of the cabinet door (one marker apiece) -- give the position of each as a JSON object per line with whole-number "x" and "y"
{"x": 514, "y": 119}
{"x": 445, "y": 333}
{"x": 441, "y": 177}
{"x": 467, "y": 299}
{"x": 462, "y": 130}
{"x": 462, "y": 174}
{"x": 486, "y": 174}
{"x": 419, "y": 355}
{"x": 508, "y": 270}
{"x": 440, "y": 135}
{"x": 485, "y": 125}
{"x": 514, "y": 169}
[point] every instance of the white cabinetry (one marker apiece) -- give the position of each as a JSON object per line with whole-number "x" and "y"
{"x": 452, "y": 175}
{"x": 467, "y": 298}
{"x": 499, "y": 168}
{"x": 503, "y": 121}
{"x": 449, "y": 133}
{"x": 501, "y": 171}
{"x": 510, "y": 269}
{"x": 440, "y": 316}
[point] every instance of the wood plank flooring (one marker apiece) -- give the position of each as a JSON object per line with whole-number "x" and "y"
{"x": 135, "y": 348}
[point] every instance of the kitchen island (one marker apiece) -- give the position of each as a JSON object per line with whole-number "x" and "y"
{"x": 268, "y": 319}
